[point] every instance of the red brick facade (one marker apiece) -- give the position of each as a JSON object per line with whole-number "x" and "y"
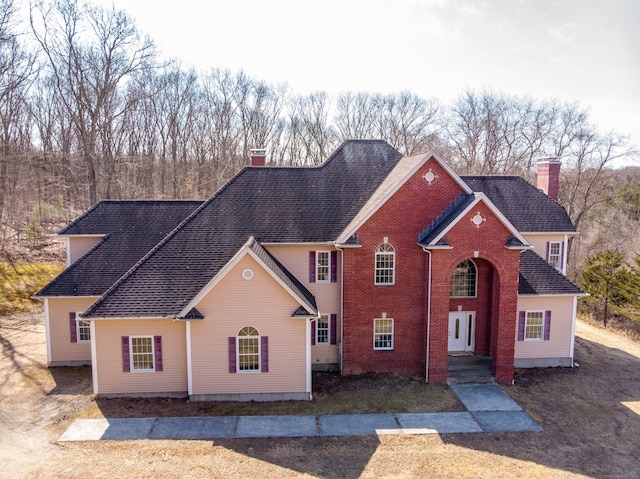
{"x": 401, "y": 219}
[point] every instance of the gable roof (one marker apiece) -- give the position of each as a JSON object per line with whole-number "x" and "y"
{"x": 434, "y": 235}
{"x": 275, "y": 205}
{"x": 539, "y": 278}
{"x": 404, "y": 170}
{"x": 527, "y": 208}
{"x": 306, "y": 300}
{"x": 130, "y": 229}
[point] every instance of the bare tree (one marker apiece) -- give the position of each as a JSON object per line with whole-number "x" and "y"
{"x": 91, "y": 52}
{"x": 16, "y": 74}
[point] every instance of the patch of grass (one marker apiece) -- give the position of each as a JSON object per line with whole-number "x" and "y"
{"x": 332, "y": 394}
{"x": 20, "y": 281}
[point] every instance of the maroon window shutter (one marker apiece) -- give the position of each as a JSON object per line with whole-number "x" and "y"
{"x": 126, "y": 361}
{"x": 521, "y": 323}
{"x": 232, "y": 354}
{"x": 312, "y": 266}
{"x": 561, "y": 256}
{"x": 313, "y": 333}
{"x": 157, "y": 344}
{"x": 264, "y": 357}
{"x": 334, "y": 323}
{"x": 334, "y": 266}
{"x": 73, "y": 330}
{"x": 547, "y": 324}
{"x": 548, "y": 250}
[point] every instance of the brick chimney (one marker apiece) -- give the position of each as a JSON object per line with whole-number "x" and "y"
{"x": 548, "y": 172}
{"x": 258, "y": 157}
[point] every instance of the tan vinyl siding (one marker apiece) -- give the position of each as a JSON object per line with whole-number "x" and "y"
{"x": 111, "y": 378}
{"x": 263, "y": 304}
{"x": 539, "y": 243}
{"x": 560, "y": 339}
{"x": 296, "y": 259}
{"x": 61, "y": 349}
{"x": 79, "y": 245}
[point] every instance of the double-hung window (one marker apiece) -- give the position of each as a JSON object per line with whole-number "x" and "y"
{"x": 322, "y": 329}
{"x": 383, "y": 333}
{"x": 323, "y": 267}
{"x": 534, "y": 325}
{"x": 248, "y": 350}
{"x": 142, "y": 353}
{"x": 385, "y": 264}
{"x": 554, "y": 255}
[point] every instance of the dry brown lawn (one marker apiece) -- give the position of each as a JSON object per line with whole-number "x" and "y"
{"x": 590, "y": 416}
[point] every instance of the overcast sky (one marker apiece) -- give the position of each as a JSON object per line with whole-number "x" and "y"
{"x": 575, "y": 50}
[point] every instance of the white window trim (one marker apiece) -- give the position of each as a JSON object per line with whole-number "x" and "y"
{"x": 559, "y": 262}
{"x": 526, "y": 323}
{"x": 248, "y": 371}
{"x": 132, "y": 367}
{"x": 328, "y": 320}
{"x": 475, "y": 286}
{"x": 329, "y": 266}
{"x": 393, "y": 325}
{"x": 375, "y": 266}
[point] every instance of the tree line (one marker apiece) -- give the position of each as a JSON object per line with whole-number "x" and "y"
{"x": 89, "y": 111}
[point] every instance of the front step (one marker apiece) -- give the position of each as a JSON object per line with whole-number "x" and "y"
{"x": 469, "y": 369}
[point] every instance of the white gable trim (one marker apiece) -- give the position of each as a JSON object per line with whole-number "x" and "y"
{"x": 481, "y": 197}
{"x": 245, "y": 250}
{"x": 381, "y": 196}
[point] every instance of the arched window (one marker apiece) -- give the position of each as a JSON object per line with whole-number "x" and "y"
{"x": 464, "y": 280}
{"x": 385, "y": 264}
{"x": 248, "y": 349}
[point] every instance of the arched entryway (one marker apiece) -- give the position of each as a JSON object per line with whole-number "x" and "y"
{"x": 472, "y": 287}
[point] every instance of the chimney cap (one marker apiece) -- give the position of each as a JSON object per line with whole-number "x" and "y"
{"x": 258, "y": 151}
{"x": 548, "y": 159}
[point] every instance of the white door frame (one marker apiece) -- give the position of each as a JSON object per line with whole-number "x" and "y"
{"x": 462, "y": 332}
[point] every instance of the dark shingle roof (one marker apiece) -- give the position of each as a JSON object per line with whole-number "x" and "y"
{"x": 438, "y": 225}
{"x": 272, "y": 204}
{"x": 526, "y": 207}
{"x": 131, "y": 229}
{"x": 537, "y": 277}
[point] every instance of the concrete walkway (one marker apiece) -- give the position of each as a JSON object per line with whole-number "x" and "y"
{"x": 489, "y": 409}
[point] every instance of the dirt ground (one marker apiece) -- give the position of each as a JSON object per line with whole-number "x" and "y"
{"x": 590, "y": 416}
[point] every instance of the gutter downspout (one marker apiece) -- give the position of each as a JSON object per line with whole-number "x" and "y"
{"x": 341, "y": 276}
{"x": 426, "y": 362}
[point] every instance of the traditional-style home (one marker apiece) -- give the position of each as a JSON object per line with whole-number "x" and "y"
{"x": 370, "y": 262}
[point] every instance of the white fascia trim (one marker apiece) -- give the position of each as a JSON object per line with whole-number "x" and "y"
{"x": 565, "y": 295}
{"x": 547, "y": 233}
{"x": 66, "y": 297}
{"x": 228, "y": 267}
{"x": 82, "y": 236}
{"x": 47, "y": 329}
{"x": 352, "y": 228}
{"x": 94, "y": 357}
{"x": 482, "y": 197}
{"x": 128, "y": 318}
{"x": 316, "y": 243}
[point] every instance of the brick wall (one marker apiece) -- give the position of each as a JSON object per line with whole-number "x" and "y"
{"x": 401, "y": 219}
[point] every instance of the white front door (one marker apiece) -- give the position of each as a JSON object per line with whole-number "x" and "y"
{"x": 462, "y": 328}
